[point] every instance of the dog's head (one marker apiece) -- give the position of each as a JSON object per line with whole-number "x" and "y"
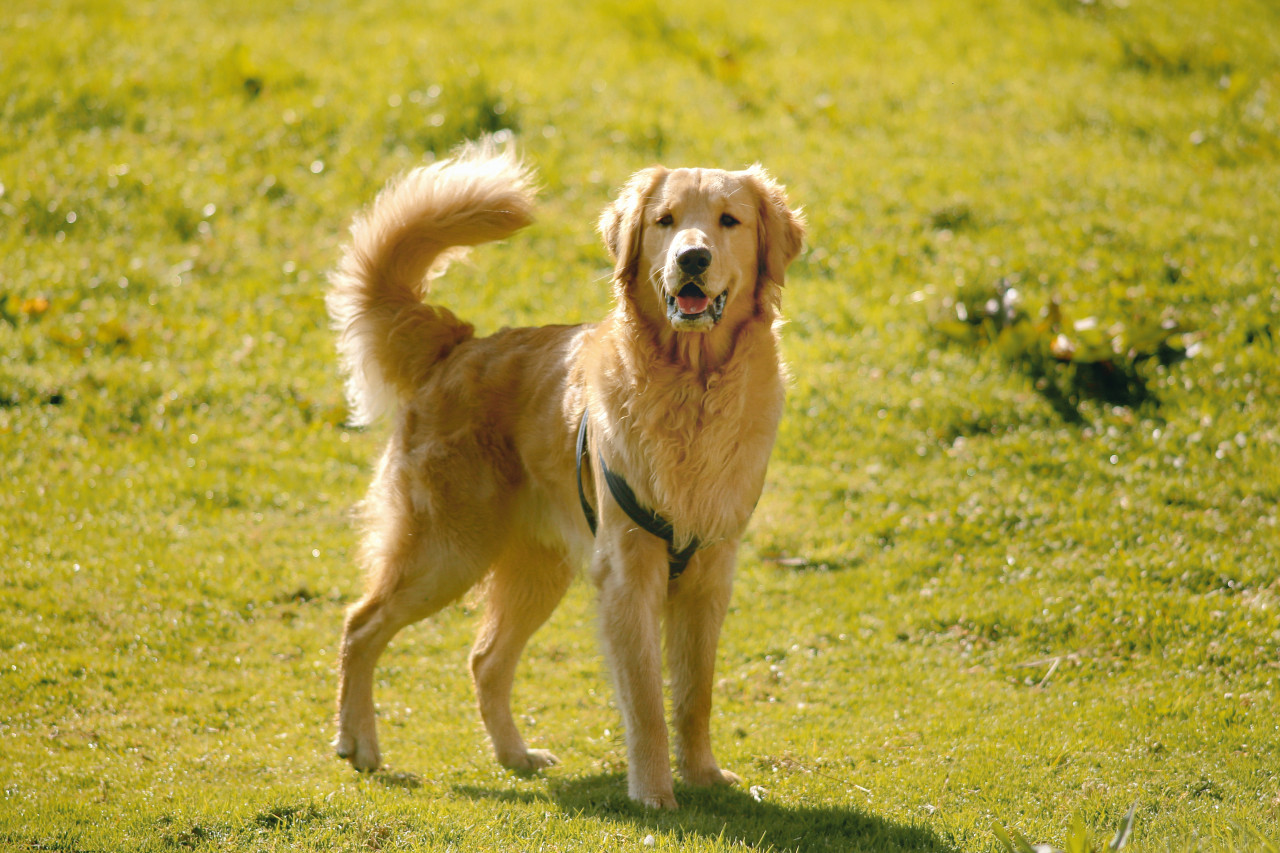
{"x": 693, "y": 247}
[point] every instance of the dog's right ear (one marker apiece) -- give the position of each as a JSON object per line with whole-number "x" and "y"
{"x": 622, "y": 223}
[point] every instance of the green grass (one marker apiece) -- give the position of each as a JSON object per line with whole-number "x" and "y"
{"x": 957, "y": 608}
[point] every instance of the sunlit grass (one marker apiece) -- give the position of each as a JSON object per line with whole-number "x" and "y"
{"x": 961, "y": 604}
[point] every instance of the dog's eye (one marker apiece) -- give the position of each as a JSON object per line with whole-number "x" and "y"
{"x": 728, "y": 221}
{"x": 666, "y": 220}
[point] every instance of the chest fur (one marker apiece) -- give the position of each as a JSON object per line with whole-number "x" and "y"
{"x": 696, "y": 448}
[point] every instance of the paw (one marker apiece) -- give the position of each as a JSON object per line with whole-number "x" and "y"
{"x": 651, "y": 787}
{"x": 727, "y": 777}
{"x": 666, "y": 801}
{"x": 711, "y": 776}
{"x": 529, "y": 760}
{"x": 363, "y": 756}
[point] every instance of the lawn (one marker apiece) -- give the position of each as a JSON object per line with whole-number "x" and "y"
{"x": 1015, "y": 567}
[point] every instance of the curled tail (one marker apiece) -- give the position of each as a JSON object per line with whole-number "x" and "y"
{"x": 388, "y": 338}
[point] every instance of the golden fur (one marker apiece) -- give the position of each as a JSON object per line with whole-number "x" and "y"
{"x": 477, "y": 480}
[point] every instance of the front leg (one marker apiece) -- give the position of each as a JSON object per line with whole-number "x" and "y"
{"x": 631, "y": 574}
{"x": 695, "y": 612}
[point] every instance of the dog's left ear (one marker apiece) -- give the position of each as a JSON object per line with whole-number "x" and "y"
{"x": 780, "y": 233}
{"x": 622, "y": 223}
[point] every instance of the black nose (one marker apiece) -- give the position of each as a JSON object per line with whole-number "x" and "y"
{"x": 694, "y": 261}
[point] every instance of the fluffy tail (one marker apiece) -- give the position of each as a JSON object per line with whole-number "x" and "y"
{"x": 387, "y": 337}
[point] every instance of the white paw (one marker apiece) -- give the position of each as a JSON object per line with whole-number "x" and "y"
{"x": 363, "y": 756}
{"x": 529, "y": 760}
{"x": 711, "y": 776}
{"x": 665, "y": 800}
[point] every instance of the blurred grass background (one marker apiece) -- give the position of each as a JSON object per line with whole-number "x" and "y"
{"x": 976, "y": 590}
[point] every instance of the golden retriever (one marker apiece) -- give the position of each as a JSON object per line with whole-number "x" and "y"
{"x": 680, "y": 387}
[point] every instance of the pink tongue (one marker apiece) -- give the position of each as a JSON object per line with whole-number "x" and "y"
{"x": 692, "y": 304}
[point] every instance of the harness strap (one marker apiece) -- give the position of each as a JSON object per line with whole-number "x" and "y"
{"x": 582, "y": 495}
{"x": 625, "y": 497}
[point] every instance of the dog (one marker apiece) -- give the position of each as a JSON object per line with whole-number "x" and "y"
{"x": 638, "y": 443}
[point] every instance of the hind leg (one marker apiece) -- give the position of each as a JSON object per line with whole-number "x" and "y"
{"x": 405, "y": 588}
{"x": 370, "y": 625}
{"x": 527, "y": 583}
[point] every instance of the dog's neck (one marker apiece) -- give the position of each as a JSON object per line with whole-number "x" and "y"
{"x": 671, "y": 405}
{"x": 702, "y": 353}
{"x": 695, "y": 354}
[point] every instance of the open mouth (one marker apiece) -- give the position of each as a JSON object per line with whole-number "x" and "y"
{"x": 692, "y": 308}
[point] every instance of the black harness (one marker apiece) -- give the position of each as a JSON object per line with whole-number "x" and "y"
{"x": 646, "y": 518}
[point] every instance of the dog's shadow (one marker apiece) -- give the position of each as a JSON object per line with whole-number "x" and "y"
{"x": 731, "y": 815}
